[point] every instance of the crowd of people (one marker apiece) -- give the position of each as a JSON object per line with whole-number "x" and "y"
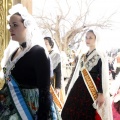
{"x": 31, "y": 81}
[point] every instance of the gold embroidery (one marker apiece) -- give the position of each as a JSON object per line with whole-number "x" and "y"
{"x": 90, "y": 84}
{"x": 55, "y": 98}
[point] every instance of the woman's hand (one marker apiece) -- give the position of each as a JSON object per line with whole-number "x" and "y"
{"x": 100, "y": 100}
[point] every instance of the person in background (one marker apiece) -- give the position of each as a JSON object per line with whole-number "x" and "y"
{"x": 56, "y": 64}
{"x": 111, "y": 68}
{"x": 88, "y": 97}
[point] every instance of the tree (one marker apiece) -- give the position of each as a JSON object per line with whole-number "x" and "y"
{"x": 64, "y": 28}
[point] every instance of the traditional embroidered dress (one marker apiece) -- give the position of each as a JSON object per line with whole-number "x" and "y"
{"x": 26, "y": 93}
{"x": 32, "y": 75}
{"x": 79, "y": 103}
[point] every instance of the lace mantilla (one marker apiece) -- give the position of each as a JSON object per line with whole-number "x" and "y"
{"x": 91, "y": 61}
{"x": 28, "y": 19}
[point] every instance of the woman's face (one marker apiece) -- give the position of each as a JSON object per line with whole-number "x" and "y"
{"x": 17, "y": 28}
{"x": 48, "y": 45}
{"x": 90, "y": 39}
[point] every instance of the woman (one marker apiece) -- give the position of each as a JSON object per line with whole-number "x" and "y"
{"x": 25, "y": 94}
{"x": 90, "y": 87}
{"x": 56, "y": 64}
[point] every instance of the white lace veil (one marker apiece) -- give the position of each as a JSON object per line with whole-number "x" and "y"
{"x": 107, "y": 107}
{"x": 33, "y": 34}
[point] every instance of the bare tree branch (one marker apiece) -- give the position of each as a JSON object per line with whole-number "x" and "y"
{"x": 43, "y": 8}
{"x": 86, "y": 13}
{"x": 68, "y": 10}
{"x": 70, "y": 27}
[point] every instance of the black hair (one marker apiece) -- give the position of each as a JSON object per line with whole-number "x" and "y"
{"x": 92, "y": 32}
{"x": 17, "y": 13}
{"x": 50, "y": 41}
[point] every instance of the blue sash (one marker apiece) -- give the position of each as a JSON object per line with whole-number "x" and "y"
{"x": 18, "y": 100}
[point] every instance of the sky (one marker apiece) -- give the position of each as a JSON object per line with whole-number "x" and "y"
{"x": 99, "y": 9}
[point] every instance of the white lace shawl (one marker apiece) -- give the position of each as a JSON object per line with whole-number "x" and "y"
{"x": 55, "y": 57}
{"x": 107, "y": 107}
{"x": 91, "y": 61}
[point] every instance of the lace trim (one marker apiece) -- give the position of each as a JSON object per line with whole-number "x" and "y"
{"x": 91, "y": 61}
{"x": 11, "y": 64}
